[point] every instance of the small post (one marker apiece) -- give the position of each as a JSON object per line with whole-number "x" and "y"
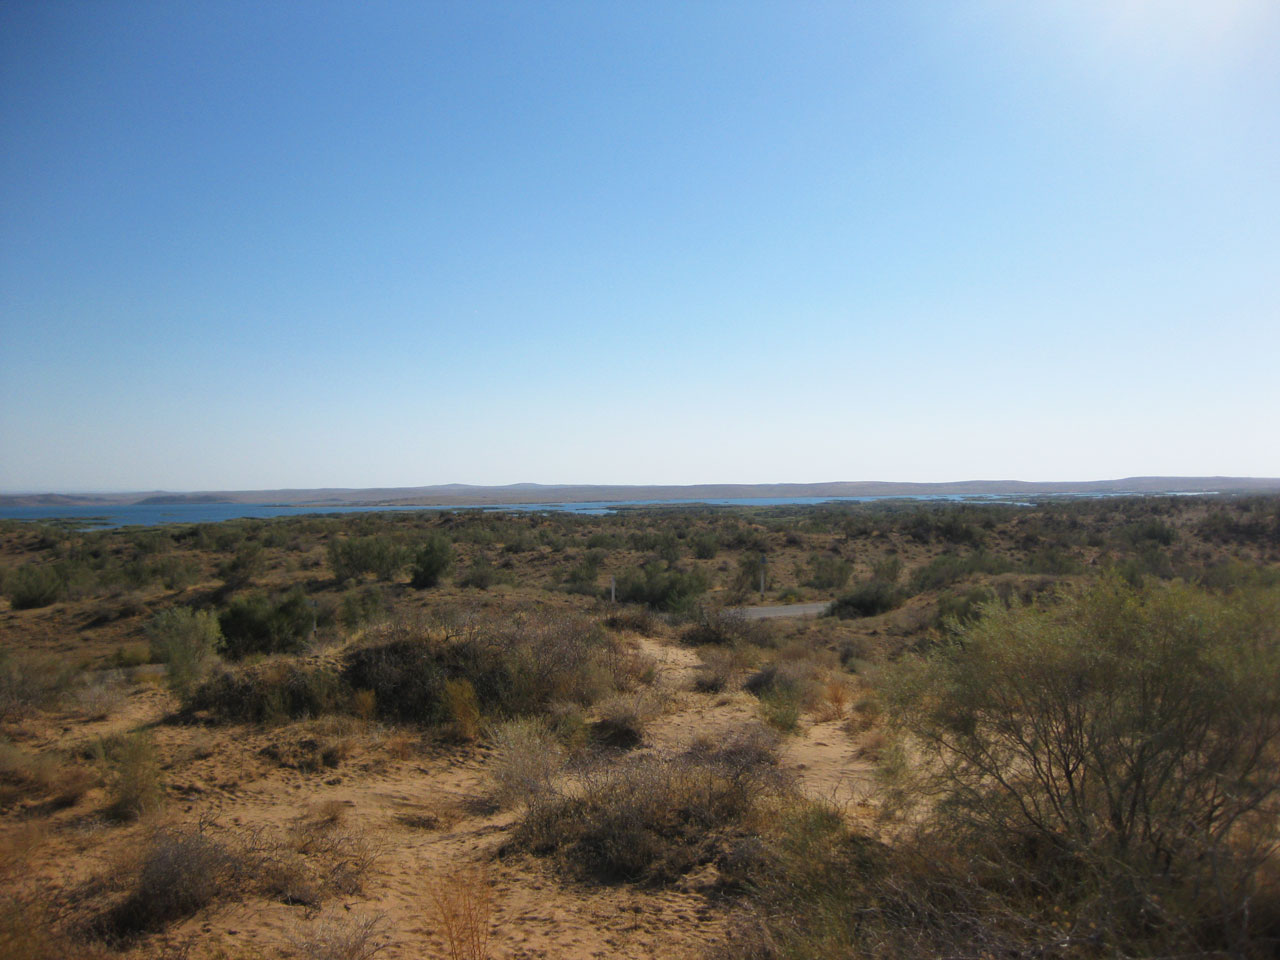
{"x": 763, "y": 560}
{"x": 613, "y": 590}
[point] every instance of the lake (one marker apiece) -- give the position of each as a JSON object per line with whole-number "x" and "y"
{"x": 151, "y": 514}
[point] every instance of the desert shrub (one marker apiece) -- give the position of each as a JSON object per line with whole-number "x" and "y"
{"x": 96, "y": 695}
{"x": 721, "y": 625}
{"x": 622, "y": 721}
{"x": 719, "y": 670}
{"x": 33, "y": 585}
{"x": 946, "y": 568}
{"x": 462, "y": 708}
{"x": 1114, "y": 752}
{"x": 1149, "y": 561}
{"x": 887, "y": 568}
{"x": 652, "y": 818}
{"x": 30, "y": 681}
{"x": 1053, "y": 560}
{"x": 784, "y": 688}
{"x": 341, "y": 937}
{"x": 45, "y": 776}
{"x": 868, "y": 599}
{"x": 747, "y": 577}
{"x": 127, "y": 656}
{"x": 514, "y": 668}
{"x": 705, "y": 545}
{"x": 527, "y": 755}
{"x": 258, "y": 624}
{"x": 462, "y": 904}
{"x": 351, "y": 557}
{"x": 270, "y": 692}
{"x": 1229, "y": 575}
{"x": 482, "y": 575}
{"x": 662, "y": 587}
{"x": 829, "y": 572}
{"x": 962, "y": 608}
{"x": 1153, "y": 531}
{"x": 402, "y": 669}
{"x": 431, "y": 561}
{"x": 636, "y": 618}
{"x": 1253, "y": 521}
{"x": 175, "y": 573}
{"x": 519, "y": 541}
{"x": 29, "y": 930}
{"x": 781, "y": 709}
{"x": 582, "y": 576}
{"x": 364, "y": 605}
{"x": 180, "y": 870}
{"x": 133, "y": 776}
{"x": 188, "y": 641}
{"x": 247, "y": 563}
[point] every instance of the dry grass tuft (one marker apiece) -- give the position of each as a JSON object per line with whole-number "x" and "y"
{"x": 526, "y": 758}
{"x": 721, "y": 669}
{"x": 29, "y": 931}
{"x": 31, "y": 681}
{"x": 340, "y": 938}
{"x": 45, "y": 777}
{"x": 134, "y": 788}
{"x": 462, "y": 903}
{"x": 623, "y": 720}
{"x": 834, "y": 700}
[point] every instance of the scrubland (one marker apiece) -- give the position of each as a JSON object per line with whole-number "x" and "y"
{"x": 1021, "y": 731}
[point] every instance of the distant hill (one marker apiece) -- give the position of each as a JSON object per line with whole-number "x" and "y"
{"x": 461, "y": 494}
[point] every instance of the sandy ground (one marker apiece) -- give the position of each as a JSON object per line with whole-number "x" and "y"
{"x": 422, "y": 810}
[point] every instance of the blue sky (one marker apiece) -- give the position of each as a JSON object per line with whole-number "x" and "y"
{"x": 250, "y": 245}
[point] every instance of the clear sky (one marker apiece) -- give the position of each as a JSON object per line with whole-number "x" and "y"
{"x": 248, "y": 245}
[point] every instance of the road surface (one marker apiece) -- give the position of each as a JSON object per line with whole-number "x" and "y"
{"x": 786, "y": 610}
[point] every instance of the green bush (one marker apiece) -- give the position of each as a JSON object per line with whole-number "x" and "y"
{"x": 32, "y": 585}
{"x": 482, "y": 575}
{"x": 175, "y": 573}
{"x": 946, "y": 568}
{"x": 133, "y": 786}
{"x": 1114, "y": 752}
{"x": 270, "y": 692}
{"x": 867, "y": 599}
{"x": 582, "y": 576}
{"x": 662, "y": 587}
{"x": 249, "y": 562}
{"x": 351, "y": 557}
{"x": 965, "y": 607}
{"x": 720, "y": 625}
{"x": 365, "y": 605}
{"x": 258, "y": 624}
{"x": 431, "y": 561}
{"x": 705, "y": 546}
{"x": 188, "y": 641}
{"x": 829, "y": 572}
{"x": 513, "y": 670}
{"x": 30, "y": 681}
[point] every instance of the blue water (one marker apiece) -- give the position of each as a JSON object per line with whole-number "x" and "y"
{"x": 150, "y": 514}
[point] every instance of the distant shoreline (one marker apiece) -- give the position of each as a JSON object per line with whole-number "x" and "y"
{"x": 464, "y": 495}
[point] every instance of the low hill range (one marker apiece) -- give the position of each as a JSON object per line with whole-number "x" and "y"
{"x": 462, "y": 494}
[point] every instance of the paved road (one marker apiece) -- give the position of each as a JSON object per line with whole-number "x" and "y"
{"x": 786, "y": 610}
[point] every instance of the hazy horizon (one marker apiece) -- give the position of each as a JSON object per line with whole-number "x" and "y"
{"x": 261, "y": 247}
